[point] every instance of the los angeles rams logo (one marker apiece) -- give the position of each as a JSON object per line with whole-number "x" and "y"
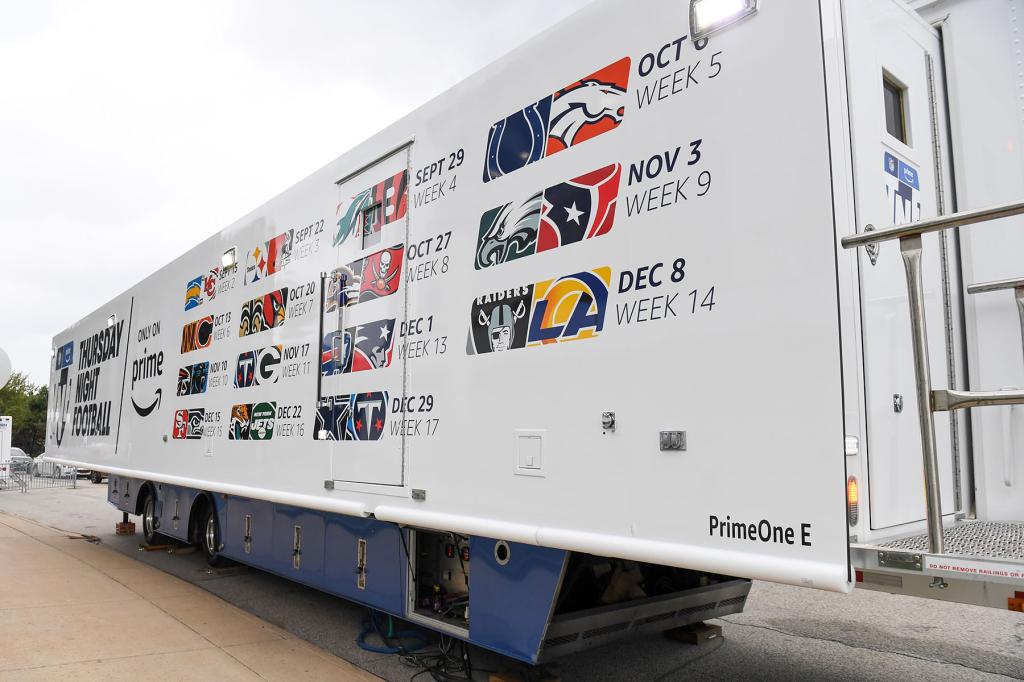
{"x": 570, "y": 307}
{"x": 564, "y": 309}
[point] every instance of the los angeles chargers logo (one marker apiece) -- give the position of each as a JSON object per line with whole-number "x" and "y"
{"x": 568, "y": 308}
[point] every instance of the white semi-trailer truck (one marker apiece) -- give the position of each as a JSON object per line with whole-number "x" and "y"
{"x": 670, "y": 298}
{"x": 5, "y": 449}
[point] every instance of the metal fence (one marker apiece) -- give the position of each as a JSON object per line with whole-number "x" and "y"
{"x": 35, "y": 475}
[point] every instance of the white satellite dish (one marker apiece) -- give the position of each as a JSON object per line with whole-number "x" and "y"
{"x": 5, "y": 368}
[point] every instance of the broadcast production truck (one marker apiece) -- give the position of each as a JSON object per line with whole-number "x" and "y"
{"x": 676, "y": 296}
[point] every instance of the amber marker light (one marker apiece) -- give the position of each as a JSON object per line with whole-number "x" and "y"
{"x": 852, "y": 500}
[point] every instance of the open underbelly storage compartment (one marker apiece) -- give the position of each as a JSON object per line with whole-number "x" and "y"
{"x": 539, "y": 603}
{"x": 439, "y": 584}
{"x": 602, "y": 600}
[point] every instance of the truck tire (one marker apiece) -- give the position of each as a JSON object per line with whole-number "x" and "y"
{"x": 210, "y": 538}
{"x": 96, "y": 476}
{"x": 149, "y": 533}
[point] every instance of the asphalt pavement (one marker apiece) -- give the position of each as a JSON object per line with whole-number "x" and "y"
{"x": 785, "y": 633}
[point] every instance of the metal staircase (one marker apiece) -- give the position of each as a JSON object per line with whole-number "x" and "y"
{"x": 987, "y": 553}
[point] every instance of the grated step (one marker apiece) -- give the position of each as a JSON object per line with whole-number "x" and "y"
{"x": 995, "y": 539}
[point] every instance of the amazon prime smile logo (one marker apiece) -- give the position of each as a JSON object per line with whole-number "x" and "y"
{"x": 147, "y": 366}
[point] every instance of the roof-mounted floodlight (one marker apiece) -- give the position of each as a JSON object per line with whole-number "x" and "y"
{"x": 227, "y": 261}
{"x": 111, "y": 320}
{"x": 708, "y": 16}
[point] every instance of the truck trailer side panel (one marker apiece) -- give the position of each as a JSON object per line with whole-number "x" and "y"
{"x": 586, "y": 300}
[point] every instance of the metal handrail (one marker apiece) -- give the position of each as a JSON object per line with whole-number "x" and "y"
{"x": 920, "y": 227}
{"x": 1017, "y": 284}
{"x": 929, "y": 401}
{"x": 946, "y": 400}
{"x": 998, "y": 285}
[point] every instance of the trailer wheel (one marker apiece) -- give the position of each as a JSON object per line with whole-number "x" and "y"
{"x": 96, "y": 476}
{"x": 149, "y": 533}
{"x": 211, "y": 538}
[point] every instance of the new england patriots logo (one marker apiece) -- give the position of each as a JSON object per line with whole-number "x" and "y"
{"x": 578, "y": 112}
{"x": 360, "y": 348}
{"x": 373, "y": 345}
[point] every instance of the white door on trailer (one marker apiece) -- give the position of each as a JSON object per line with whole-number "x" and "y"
{"x": 364, "y": 308}
{"x": 899, "y": 140}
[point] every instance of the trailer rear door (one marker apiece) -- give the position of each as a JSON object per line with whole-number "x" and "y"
{"x": 899, "y": 139}
{"x": 362, "y": 374}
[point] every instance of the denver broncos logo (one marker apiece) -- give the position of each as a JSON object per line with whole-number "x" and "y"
{"x": 587, "y": 109}
{"x": 578, "y": 112}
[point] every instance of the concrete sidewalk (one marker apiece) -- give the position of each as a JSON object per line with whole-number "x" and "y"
{"x": 73, "y": 610}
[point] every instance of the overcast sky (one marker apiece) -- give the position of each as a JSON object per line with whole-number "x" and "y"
{"x": 129, "y": 131}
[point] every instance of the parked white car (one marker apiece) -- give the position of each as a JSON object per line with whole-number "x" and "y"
{"x": 19, "y": 461}
{"x": 50, "y": 469}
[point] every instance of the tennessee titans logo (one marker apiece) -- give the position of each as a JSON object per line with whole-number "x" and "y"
{"x": 245, "y": 370}
{"x": 578, "y": 112}
{"x": 369, "y": 412}
{"x": 353, "y": 417}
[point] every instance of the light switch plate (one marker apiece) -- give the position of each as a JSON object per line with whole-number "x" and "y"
{"x": 528, "y": 452}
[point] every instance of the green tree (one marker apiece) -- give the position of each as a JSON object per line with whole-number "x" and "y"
{"x": 25, "y": 403}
